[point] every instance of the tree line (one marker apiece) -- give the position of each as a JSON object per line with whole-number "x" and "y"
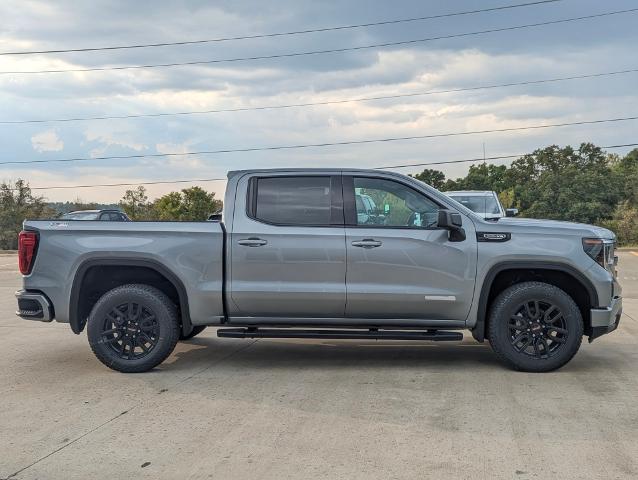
{"x": 188, "y": 205}
{"x": 18, "y": 202}
{"x": 584, "y": 184}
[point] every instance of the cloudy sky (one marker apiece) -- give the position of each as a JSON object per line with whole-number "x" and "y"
{"x": 584, "y": 47}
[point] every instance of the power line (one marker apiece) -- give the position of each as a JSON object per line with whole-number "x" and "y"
{"x": 318, "y": 52}
{"x": 281, "y": 34}
{"x": 321, "y": 145}
{"x": 327, "y": 102}
{"x": 467, "y": 160}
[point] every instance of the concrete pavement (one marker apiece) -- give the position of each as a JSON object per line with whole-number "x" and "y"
{"x": 225, "y": 408}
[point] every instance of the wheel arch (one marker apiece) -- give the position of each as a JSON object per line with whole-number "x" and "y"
{"x": 122, "y": 271}
{"x": 505, "y": 274}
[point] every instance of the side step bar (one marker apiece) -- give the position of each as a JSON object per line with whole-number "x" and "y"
{"x": 373, "y": 333}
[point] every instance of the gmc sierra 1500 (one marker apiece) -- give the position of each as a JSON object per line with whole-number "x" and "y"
{"x": 301, "y": 254}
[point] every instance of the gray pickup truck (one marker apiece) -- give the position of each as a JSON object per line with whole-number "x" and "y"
{"x": 295, "y": 258}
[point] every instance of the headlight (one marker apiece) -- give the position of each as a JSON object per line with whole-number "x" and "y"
{"x": 601, "y": 251}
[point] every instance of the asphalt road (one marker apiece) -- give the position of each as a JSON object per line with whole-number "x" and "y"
{"x": 270, "y": 409}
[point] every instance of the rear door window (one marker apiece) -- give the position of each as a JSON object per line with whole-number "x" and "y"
{"x": 302, "y": 201}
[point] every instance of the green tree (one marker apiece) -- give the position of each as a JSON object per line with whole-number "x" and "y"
{"x": 626, "y": 174}
{"x": 17, "y": 203}
{"x": 168, "y": 207}
{"x": 483, "y": 176}
{"x": 135, "y": 204}
{"x": 624, "y": 223}
{"x": 432, "y": 177}
{"x": 506, "y": 197}
{"x": 191, "y": 204}
{"x": 564, "y": 184}
{"x": 199, "y": 204}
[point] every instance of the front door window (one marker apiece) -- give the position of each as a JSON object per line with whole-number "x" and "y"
{"x": 385, "y": 203}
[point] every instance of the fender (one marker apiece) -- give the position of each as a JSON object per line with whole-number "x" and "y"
{"x": 78, "y": 324}
{"x": 478, "y": 332}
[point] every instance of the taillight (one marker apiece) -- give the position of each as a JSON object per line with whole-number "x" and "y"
{"x": 27, "y": 246}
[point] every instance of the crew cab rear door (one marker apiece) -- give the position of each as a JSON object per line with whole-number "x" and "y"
{"x": 400, "y": 265}
{"x": 287, "y": 247}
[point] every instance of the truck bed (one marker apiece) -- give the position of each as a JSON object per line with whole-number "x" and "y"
{"x": 191, "y": 252}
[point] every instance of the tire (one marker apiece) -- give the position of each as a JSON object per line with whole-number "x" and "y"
{"x": 535, "y": 327}
{"x": 194, "y": 332}
{"x": 133, "y": 328}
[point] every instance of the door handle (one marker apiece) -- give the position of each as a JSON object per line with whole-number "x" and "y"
{"x": 367, "y": 243}
{"x": 252, "y": 242}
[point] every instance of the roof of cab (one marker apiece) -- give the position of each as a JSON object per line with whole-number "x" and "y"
{"x": 235, "y": 173}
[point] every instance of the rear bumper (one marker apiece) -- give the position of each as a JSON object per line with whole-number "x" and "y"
{"x": 605, "y": 320}
{"x": 33, "y": 306}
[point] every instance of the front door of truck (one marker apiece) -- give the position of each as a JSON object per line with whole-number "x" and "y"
{"x": 399, "y": 264}
{"x": 287, "y": 248}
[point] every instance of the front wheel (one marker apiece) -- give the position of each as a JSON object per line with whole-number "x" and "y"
{"x": 535, "y": 327}
{"x": 133, "y": 328}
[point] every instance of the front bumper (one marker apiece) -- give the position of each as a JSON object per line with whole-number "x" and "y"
{"x": 33, "y": 306}
{"x": 605, "y": 320}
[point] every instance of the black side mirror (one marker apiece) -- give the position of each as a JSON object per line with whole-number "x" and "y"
{"x": 453, "y": 222}
{"x": 511, "y": 212}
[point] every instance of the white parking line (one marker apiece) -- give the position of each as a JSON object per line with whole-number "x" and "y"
{"x": 7, "y": 264}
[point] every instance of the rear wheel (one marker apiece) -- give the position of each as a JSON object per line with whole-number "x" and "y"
{"x": 133, "y": 328}
{"x": 535, "y": 327}
{"x": 194, "y": 332}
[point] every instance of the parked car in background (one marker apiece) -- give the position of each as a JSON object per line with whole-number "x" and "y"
{"x": 103, "y": 215}
{"x": 484, "y": 203}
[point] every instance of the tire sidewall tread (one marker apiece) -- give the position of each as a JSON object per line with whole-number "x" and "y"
{"x": 499, "y": 336}
{"x": 164, "y": 311}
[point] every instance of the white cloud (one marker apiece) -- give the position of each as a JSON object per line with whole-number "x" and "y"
{"x": 108, "y": 135}
{"x": 47, "y": 141}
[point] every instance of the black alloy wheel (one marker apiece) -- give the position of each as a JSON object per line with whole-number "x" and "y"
{"x": 538, "y": 329}
{"x": 131, "y": 330}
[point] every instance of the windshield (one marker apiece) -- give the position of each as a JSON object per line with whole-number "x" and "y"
{"x": 80, "y": 216}
{"x": 478, "y": 204}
